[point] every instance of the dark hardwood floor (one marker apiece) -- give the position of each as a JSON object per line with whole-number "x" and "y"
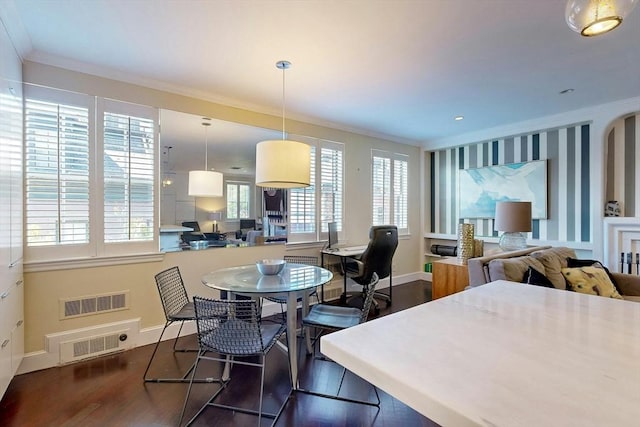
{"x": 109, "y": 391}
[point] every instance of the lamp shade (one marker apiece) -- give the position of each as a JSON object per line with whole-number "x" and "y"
{"x": 283, "y": 164}
{"x": 205, "y": 184}
{"x": 215, "y": 216}
{"x": 594, "y": 17}
{"x": 513, "y": 216}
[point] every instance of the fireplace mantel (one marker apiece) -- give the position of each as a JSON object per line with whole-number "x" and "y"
{"x": 621, "y": 235}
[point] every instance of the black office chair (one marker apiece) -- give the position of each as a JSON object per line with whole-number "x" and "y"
{"x": 245, "y": 226}
{"x": 377, "y": 258}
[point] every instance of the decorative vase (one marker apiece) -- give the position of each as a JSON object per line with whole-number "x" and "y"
{"x": 612, "y": 208}
{"x": 465, "y": 242}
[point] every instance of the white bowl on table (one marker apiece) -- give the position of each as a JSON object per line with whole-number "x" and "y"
{"x": 270, "y": 267}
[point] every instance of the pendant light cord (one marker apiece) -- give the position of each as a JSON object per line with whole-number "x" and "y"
{"x": 283, "y": 103}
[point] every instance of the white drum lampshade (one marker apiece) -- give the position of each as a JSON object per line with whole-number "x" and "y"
{"x": 205, "y": 184}
{"x": 283, "y": 164}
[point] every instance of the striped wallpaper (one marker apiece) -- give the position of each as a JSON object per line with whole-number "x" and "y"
{"x": 623, "y": 164}
{"x": 567, "y": 153}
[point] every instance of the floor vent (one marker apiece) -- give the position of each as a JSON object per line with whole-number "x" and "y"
{"x": 71, "y": 351}
{"x": 93, "y": 304}
{"x": 332, "y": 293}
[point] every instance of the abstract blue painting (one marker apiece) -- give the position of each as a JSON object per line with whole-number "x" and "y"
{"x": 480, "y": 189}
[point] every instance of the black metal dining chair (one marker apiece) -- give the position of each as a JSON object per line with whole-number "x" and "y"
{"x": 329, "y": 318}
{"x": 232, "y": 329}
{"x": 298, "y": 259}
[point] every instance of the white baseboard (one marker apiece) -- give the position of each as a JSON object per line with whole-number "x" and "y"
{"x": 43, "y": 359}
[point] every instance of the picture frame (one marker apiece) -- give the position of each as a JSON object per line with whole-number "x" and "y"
{"x": 479, "y": 189}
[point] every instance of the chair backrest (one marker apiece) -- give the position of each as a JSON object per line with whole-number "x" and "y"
{"x": 302, "y": 259}
{"x": 368, "y": 299}
{"x": 230, "y": 327}
{"x": 191, "y": 224}
{"x": 378, "y": 256}
{"x": 172, "y": 291}
{"x": 247, "y": 223}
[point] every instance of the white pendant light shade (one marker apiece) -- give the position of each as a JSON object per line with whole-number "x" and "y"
{"x": 283, "y": 164}
{"x": 594, "y": 17}
{"x": 205, "y": 184}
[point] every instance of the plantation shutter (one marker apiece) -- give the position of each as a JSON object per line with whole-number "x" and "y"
{"x": 302, "y": 218}
{"x": 381, "y": 180}
{"x": 128, "y": 176}
{"x": 57, "y": 158}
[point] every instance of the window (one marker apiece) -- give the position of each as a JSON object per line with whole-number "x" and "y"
{"x": 390, "y": 189}
{"x": 238, "y": 200}
{"x": 89, "y": 184}
{"x": 311, "y": 208}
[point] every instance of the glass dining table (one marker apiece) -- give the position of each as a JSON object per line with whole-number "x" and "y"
{"x": 294, "y": 281}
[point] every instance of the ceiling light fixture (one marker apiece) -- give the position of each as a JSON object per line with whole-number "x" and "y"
{"x": 566, "y": 91}
{"x": 458, "y": 118}
{"x": 283, "y": 163}
{"x": 205, "y": 183}
{"x": 595, "y": 17}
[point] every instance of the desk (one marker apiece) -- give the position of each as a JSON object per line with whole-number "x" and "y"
{"x": 295, "y": 279}
{"x": 343, "y": 254}
{"x": 504, "y": 354}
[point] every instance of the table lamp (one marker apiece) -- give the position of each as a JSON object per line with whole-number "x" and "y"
{"x": 513, "y": 218}
{"x": 215, "y": 217}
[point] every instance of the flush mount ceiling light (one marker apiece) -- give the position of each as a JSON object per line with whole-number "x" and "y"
{"x": 283, "y": 163}
{"x": 458, "y": 118}
{"x": 205, "y": 183}
{"x": 594, "y": 17}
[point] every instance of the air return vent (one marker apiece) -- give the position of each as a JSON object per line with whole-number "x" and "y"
{"x": 71, "y": 351}
{"x": 93, "y": 304}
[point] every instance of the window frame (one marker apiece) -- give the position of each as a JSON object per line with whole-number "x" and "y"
{"x": 320, "y": 230}
{"x": 391, "y": 191}
{"x": 96, "y": 250}
{"x": 237, "y": 183}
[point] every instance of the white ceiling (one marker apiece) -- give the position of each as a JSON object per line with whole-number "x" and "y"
{"x": 399, "y": 68}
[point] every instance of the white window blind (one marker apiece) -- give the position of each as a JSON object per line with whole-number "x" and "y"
{"x": 57, "y": 159}
{"x": 302, "y": 214}
{"x": 311, "y": 208}
{"x": 390, "y": 173}
{"x": 238, "y": 200}
{"x": 128, "y": 178}
{"x": 90, "y": 184}
{"x": 331, "y": 172}
{"x": 381, "y": 190}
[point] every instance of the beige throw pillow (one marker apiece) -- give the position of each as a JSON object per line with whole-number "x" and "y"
{"x": 590, "y": 280}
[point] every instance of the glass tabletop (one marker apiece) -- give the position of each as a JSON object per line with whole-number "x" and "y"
{"x": 247, "y": 279}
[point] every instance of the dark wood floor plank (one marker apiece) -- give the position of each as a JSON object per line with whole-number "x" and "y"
{"x": 109, "y": 391}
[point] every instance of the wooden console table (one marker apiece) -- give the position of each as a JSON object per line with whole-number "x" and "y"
{"x": 448, "y": 277}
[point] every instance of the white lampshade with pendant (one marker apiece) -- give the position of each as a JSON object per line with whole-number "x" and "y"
{"x": 283, "y": 163}
{"x": 205, "y": 183}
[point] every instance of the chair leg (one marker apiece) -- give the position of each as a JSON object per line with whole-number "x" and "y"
{"x": 184, "y": 378}
{"x": 144, "y": 376}
{"x": 261, "y": 390}
{"x": 186, "y": 398}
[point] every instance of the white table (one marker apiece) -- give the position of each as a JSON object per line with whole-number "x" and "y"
{"x": 295, "y": 280}
{"x": 504, "y": 354}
